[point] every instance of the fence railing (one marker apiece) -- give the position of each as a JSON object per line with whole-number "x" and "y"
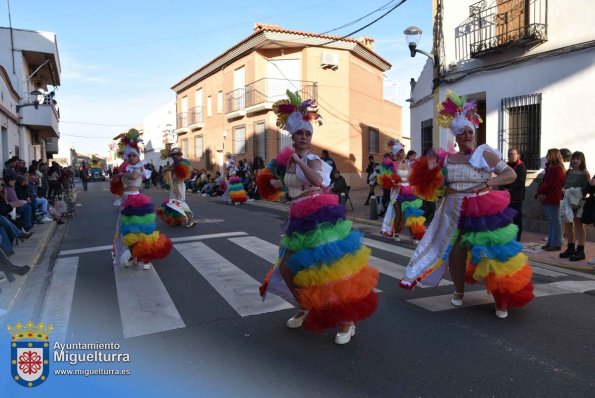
{"x": 268, "y": 90}
{"x": 506, "y": 23}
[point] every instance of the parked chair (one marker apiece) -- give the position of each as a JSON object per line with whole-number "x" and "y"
{"x": 348, "y": 199}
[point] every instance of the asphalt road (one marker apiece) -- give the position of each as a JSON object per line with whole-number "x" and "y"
{"x": 194, "y": 324}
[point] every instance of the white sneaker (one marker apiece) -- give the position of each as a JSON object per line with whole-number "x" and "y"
{"x": 501, "y": 313}
{"x": 46, "y": 219}
{"x": 591, "y": 261}
{"x": 397, "y": 238}
{"x": 345, "y": 337}
{"x": 147, "y": 266}
{"x": 130, "y": 262}
{"x": 298, "y": 319}
{"x": 118, "y": 202}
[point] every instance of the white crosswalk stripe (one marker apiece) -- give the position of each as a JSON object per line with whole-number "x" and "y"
{"x": 146, "y": 307}
{"x": 239, "y": 289}
{"x": 408, "y": 253}
{"x": 145, "y": 304}
{"x": 442, "y": 302}
{"x": 58, "y": 299}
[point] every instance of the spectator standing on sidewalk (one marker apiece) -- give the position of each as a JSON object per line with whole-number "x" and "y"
{"x": 84, "y": 175}
{"x": 549, "y": 192}
{"x": 589, "y": 208}
{"x": 372, "y": 184}
{"x": 517, "y": 188}
{"x": 576, "y": 177}
{"x": 328, "y": 160}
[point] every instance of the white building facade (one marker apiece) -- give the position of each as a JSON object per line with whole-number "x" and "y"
{"x": 530, "y": 64}
{"x": 158, "y": 130}
{"x": 29, "y": 123}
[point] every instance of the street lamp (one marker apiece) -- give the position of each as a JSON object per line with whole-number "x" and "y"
{"x": 38, "y": 99}
{"x": 412, "y": 36}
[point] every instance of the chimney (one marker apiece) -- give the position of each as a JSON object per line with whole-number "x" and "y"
{"x": 367, "y": 42}
{"x": 260, "y": 26}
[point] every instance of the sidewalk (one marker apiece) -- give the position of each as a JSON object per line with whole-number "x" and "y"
{"x": 29, "y": 253}
{"x": 531, "y": 241}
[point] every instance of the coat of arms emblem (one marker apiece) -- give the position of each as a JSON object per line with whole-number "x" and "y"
{"x": 30, "y": 358}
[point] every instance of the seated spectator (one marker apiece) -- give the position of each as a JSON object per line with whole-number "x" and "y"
{"x": 23, "y": 209}
{"x": 25, "y": 192}
{"x": 338, "y": 184}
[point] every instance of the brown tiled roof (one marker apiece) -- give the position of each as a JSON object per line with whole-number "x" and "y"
{"x": 260, "y": 27}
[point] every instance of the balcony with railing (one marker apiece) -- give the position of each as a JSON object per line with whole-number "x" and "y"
{"x": 195, "y": 120}
{"x": 260, "y": 95}
{"x": 502, "y": 24}
{"x": 40, "y": 116}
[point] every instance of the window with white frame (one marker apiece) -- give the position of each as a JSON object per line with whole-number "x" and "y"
{"x": 373, "y": 140}
{"x": 209, "y": 106}
{"x": 198, "y": 147}
{"x": 239, "y": 140}
{"x": 185, "y": 147}
{"x": 220, "y": 102}
{"x": 259, "y": 138}
{"x": 284, "y": 139}
{"x": 521, "y": 128}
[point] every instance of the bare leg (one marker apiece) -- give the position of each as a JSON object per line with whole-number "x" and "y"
{"x": 579, "y": 231}
{"x": 456, "y": 265}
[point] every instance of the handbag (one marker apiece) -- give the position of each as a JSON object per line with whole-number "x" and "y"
{"x": 589, "y": 211}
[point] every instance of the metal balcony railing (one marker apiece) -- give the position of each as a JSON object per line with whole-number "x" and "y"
{"x": 268, "y": 90}
{"x": 183, "y": 120}
{"x": 506, "y": 23}
{"x": 195, "y": 115}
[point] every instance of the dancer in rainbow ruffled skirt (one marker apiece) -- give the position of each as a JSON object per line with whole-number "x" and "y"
{"x": 322, "y": 266}
{"x": 136, "y": 223}
{"x": 175, "y": 210}
{"x": 472, "y": 233}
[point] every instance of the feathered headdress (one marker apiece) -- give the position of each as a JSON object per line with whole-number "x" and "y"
{"x": 293, "y": 114}
{"x": 455, "y": 113}
{"x": 395, "y": 146}
{"x": 129, "y": 142}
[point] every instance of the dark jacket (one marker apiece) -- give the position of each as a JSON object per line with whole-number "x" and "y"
{"x": 551, "y": 186}
{"x": 339, "y": 186}
{"x": 517, "y": 188}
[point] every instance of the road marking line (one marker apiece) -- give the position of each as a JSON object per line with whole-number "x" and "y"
{"x": 145, "y": 304}
{"x": 388, "y": 247}
{"x": 238, "y": 288}
{"x": 408, "y": 253}
{"x": 395, "y": 270}
{"x": 57, "y": 303}
{"x": 442, "y": 302}
{"x": 262, "y": 248}
{"x": 174, "y": 240}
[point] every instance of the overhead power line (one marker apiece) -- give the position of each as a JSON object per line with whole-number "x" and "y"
{"x": 359, "y": 19}
{"x": 99, "y": 124}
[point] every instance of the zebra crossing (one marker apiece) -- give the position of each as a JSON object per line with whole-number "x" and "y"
{"x": 146, "y": 306}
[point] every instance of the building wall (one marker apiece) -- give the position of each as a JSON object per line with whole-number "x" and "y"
{"x": 348, "y": 96}
{"x": 154, "y": 126}
{"x": 564, "y": 81}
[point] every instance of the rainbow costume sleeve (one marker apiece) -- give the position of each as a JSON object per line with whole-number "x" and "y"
{"x": 387, "y": 178}
{"x": 427, "y": 183}
{"x": 182, "y": 169}
{"x": 275, "y": 171}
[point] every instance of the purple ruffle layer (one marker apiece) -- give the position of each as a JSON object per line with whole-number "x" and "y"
{"x": 487, "y": 223}
{"x": 406, "y": 198}
{"x": 327, "y": 214}
{"x": 138, "y": 211}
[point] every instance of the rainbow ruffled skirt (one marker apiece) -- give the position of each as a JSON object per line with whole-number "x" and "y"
{"x": 237, "y": 194}
{"x": 329, "y": 264}
{"x": 484, "y": 223}
{"x": 412, "y": 211}
{"x": 137, "y": 228}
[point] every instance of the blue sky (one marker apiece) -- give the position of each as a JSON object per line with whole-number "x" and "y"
{"x": 119, "y": 58}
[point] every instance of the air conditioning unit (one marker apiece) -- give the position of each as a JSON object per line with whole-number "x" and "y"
{"x": 329, "y": 60}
